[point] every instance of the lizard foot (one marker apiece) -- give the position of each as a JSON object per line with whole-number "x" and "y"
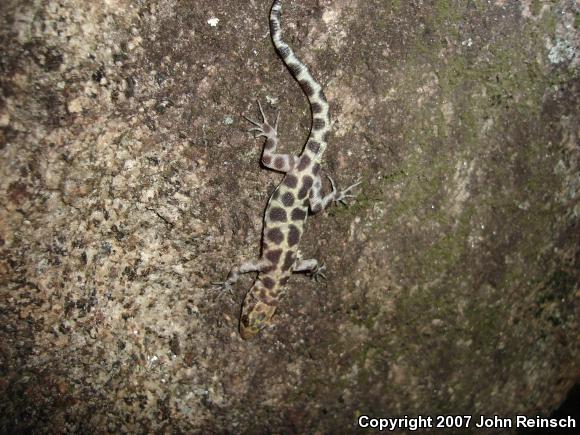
{"x": 318, "y": 273}
{"x": 340, "y": 197}
{"x": 264, "y": 128}
{"x": 223, "y": 286}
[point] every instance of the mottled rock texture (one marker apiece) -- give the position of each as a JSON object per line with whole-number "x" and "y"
{"x": 128, "y": 183}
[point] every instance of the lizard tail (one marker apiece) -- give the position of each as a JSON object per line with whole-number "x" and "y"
{"x": 318, "y": 104}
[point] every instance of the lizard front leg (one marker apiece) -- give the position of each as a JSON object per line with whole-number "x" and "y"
{"x": 236, "y": 271}
{"x": 270, "y": 159}
{"x": 310, "y": 266}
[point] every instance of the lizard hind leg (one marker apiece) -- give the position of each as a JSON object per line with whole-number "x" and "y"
{"x": 319, "y": 202}
{"x": 271, "y": 159}
{"x": 341, "y": 196}
{"x": 263, "y": 128}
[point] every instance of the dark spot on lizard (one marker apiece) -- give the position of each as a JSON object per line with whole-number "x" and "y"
{"x": 316, "y": 169}
{"x": 279, "y": 162}
{"x": 290, "y": 181}
{"x": 289, "y": 260}
{"x": 276, "y": 236}
{"x": 318, "y": 123}
{"x": 288, "y": 199}
{"x": 307, "y": 87}
{"x": 266, "y": 159}
{"x": 284, "y": 52}
{"x": 277, "y": 214}
{"x": 306, "y": 185}
{"x": 298, "y": 214}
{"x": 268, "y": 282}
{"x": 268, "y": 269}
{"x": 293, "y": 235}
{"x": 313, "y": 146}
{"x": 274, "y": 255}
{"x": 304, "y": 162}
{"x": 270, "y": 143}
{"x": 295, "y": 69}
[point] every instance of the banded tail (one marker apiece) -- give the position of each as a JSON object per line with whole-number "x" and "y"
{"x": 318, "y": 104}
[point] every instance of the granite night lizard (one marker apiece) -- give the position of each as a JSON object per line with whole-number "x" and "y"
{"x": 287, "y": 209}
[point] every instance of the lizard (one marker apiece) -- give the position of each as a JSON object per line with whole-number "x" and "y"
{"x": 287, "y": 209}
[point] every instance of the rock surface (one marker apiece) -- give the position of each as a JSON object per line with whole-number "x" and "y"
{"x": 128, "y": 184}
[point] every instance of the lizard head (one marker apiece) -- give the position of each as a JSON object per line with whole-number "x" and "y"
{"x": 255, "y": 318}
